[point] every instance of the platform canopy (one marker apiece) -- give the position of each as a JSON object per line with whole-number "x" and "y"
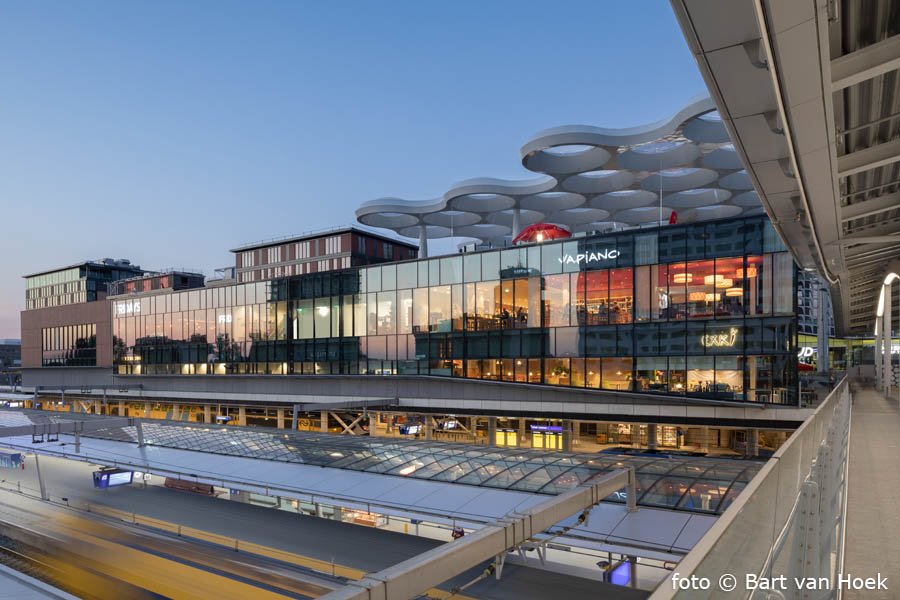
{"x": 693, "y": 484}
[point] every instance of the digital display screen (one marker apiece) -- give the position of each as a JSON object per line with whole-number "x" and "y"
{"x": 546, "y": 428}
{"x": 108, "y": 479}
{"x": 122, "y": 478}
{"x": 409, "y": 429}
{"x": 451, "y": 424}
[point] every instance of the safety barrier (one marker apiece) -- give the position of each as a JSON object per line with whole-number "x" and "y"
{"x": 787, "y": 523}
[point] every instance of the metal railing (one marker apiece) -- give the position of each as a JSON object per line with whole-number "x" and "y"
{"x": 789, "y": 521}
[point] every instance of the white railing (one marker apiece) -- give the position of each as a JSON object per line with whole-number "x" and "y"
{"x": 787, "y": 523}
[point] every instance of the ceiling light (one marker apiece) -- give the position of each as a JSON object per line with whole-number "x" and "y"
{"x": 682, "y": 277}
{"x": 734, "y": 292}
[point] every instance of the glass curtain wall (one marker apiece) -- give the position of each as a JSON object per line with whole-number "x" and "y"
{"x": 702, "y": 317}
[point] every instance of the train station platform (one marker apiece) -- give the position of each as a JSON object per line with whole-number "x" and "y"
{"x": 348, "y": 545}
{"x": 873, "y": 521}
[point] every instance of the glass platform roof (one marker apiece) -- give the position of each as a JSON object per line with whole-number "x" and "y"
{"x": 695, "y": 484}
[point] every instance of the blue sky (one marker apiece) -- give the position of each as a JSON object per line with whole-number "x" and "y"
{"x": 169, "y": 132}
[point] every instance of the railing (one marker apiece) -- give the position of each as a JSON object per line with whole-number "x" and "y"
{"x": 788, "y": 522}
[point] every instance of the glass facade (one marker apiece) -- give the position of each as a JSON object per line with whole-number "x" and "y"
{"x": 69, "y": 346}
{"x": 74, "y": 285}
{"x": 705, "y": 310}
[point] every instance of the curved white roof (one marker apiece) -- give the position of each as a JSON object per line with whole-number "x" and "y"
{"x": 590, "y": 178}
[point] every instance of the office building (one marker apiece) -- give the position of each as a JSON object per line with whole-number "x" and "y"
{"x": 317, "y": 252}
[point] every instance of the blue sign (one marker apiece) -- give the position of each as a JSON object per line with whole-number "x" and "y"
{"x": 621, "y": 575}
{"x": 11, "y": 460}
{"x": 557, "y": 428}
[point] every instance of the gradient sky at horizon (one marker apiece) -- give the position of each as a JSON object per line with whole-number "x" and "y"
{"x": 169, "y": 132}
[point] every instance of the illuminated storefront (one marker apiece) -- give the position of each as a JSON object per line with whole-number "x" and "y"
{"x": 705, "y": 310}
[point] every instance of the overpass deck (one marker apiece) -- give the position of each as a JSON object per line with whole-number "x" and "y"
{"x": 873, "y": 521}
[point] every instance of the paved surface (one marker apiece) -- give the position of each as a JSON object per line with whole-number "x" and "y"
{"x": 355, "y": 546}
{"x": 873, "y": 513}
{"x": 18, "y": 586}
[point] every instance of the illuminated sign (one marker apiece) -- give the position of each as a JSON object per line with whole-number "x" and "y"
{"x": 577, "y": 259}
{"x": 720, "y": 340}
{"x": 806, "y": 352}
{"x": 224, "y": 319}
{"x": 128, "y": 308}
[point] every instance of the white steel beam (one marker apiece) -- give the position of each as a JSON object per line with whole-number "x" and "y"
{"x": 414, "y": 576}
{"x": 869, "y": 158}
{"x": 867, "y": 208}
{"x": 866, "y": 63}
{"x": 871, "y": 239}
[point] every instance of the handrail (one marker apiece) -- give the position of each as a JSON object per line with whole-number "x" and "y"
{"x": 796, "y": 474}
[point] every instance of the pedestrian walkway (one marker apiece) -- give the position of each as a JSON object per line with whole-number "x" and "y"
{"x": 873, "y": 517}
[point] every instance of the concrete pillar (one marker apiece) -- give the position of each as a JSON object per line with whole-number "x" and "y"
{"x": 632, "y": 571}
{"x": 423, "y": 241}
{"x": 41, "y": 485}
{"x": 207, "y": 413}
{"x": 146, "y": 410}
{"x": 520, "y": 438}
{"x": 176, "y": 412}
{"x": 516, "y": 222}
{"x": 704, "y": 439}
{"x": 492, "y": 431}
{"x": 753, "y": 442}
{"x": 652, "y": 439}
{"x": 879, "y": 359}
{"x": 567, "y": 436}
{"x": 887, "y": 369}
{"x": 324, "y": 426}
{"x": 373, "y": 423}
{"x": 279, "y": 417}
{"x": 242, "y": 416}
{"x": 822, "y": 332}
{"x": 121, "y": 409}
{"x": 319, "y": 511}
{"x": 429, "y": 422}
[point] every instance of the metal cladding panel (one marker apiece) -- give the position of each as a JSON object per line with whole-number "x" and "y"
{"x": 660, "y": 528}
{"x": 696, "y": 528}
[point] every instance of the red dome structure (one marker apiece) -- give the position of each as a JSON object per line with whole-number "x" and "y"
{"x": 540, "y": 232}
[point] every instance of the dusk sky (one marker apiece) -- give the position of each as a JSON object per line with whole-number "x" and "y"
{"x": 169, "y": 132}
